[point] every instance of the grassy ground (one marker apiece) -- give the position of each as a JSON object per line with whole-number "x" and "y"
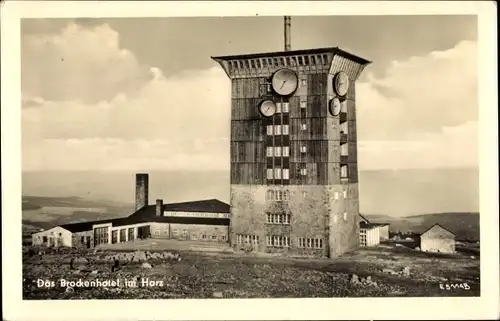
{"x": 210, "y": 274}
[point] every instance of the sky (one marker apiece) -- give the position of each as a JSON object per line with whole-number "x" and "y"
{"x": 142, "y": 94}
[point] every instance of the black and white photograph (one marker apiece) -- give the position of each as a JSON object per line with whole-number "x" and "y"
{"x": 251, "y": 156}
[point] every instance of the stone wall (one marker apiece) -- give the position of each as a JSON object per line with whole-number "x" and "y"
{"x": 316, "y": 212}
{"x": 76, "y": 239}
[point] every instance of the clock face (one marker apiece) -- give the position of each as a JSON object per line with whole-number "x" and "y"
{"x": 335, "y": 106}
{"x": 285, "y": 82}
{"x": 267, "y": 108}
{"x": 341, "y": 83}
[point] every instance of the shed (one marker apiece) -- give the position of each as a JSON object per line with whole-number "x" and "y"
{"x": 437, "y": 239}
{"x": 54, "y": 237}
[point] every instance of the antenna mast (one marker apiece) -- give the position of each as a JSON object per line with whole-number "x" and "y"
{"x": 288, "y": 27}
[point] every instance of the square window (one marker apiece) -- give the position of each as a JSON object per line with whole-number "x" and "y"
{"x": 277, "y": 173}
{"x": 286, "y": 151}
{"x": 269, "y": 151}
{"x": 303, "y": 149}
{"x": 269, "y": 173}
{"x": 286, "y": 173}
{"x": 278, "y": 107}
{"x": 277, "y": 129}
{"x": 304, "y": 126}
{"x": 269, "y": 129}
{"x": 277, "y": 151}
{"x": 303, "y": 171}
{"x": 286, "y": 107}
{"x": 285, "y": 129}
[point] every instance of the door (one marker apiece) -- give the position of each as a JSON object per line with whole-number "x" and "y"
{"x": 88, "y": 241}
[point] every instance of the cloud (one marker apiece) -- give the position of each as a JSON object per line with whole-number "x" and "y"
{"x": 84, "y": 64}
{"x": 420, "y": 95}
{"x": 100, "y": 108}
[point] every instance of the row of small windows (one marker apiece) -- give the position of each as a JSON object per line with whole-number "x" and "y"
{"x": 279, "y": 62}
{"x": 273, "y": 195}
{"x": 278, "y": 151}
{"x": 310, "y": 243}
{"x": 278, "y": 218}
{"x": 247, "y": 239}
{"x": 285, "y": 151}
{"x": 278, "y": 173}
{"x": 278, "y": 130}
{"x": 280, "y": 241}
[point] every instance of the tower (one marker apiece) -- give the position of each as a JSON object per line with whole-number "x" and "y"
{"x": 294, "y": 176}
{"x": 141, "y": 190}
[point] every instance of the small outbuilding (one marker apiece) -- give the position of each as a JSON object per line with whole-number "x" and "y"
{"x": 437, "y": 239}
{"x": 370, "y": 234}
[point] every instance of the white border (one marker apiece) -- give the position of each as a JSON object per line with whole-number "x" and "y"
{"x": 270, "y": 309}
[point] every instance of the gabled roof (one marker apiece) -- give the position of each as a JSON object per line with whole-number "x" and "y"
{"x": 364, "y": 218}
{"x": 83, "y": 226}
{"x": 208, "y": 206}
{"x": 437, "y": 224}
{"x": 334, "y": 50}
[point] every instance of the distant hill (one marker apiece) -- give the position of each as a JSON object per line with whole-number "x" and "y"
{"x": 46, "y": 212}
{"x": 464, "y": 225}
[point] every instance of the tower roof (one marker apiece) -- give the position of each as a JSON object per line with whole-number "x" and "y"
{"x": 331, "y": 50}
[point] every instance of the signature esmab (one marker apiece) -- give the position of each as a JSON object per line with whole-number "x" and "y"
{"x": 454, "y": 286}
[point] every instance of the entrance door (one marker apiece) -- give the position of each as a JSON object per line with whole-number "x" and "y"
{"x": 88, "y": 242}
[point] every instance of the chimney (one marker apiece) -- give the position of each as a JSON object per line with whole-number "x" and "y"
{"x": 141, "y": 190}
{"x": 159, "y": 207}
{"x": 288, "y": 27}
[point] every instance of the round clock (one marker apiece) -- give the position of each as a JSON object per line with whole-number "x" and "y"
{"x": 285, "y": 82}
{"x": 335, "y": 106}
{"x": 267, "y": 108}
{"x": 341, "y": 83}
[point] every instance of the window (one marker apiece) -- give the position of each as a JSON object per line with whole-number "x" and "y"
{"x": 300, "y": 61}
{"x": 306, "y": 60}
{"x": 336, "y": 195}
{"x": 82, "y": 239}
{"x": 247, "y": 65}
{"x": 303, "y": 149}
{"x": 264, "y": 63}
{"x": 273, "y": 195}
{"x": 286, "y": 151}
{"x": 278, "y": 107}
{"x": 214, "y": 237}
{"x": 313, "y": 60}
{"x": 278, "y": 219}
{"x": 131, "y": 233}
{"x": 277, "y": 173}
{"x": 335, "y": 218}
{"x": 246, "y": 239}
{"x": 304, "y": 194}
{"x": 278, "y": 241}
{"x": 344, "y": 151}
{"x": 286, "y": 107}
{"x": 303, "y": 82}
{"x": 303, "y": 104}
{"x": 277, "y": 151}
{"x": 269, "y": 173}
{"x": 303, "y": 171}
{"x": 123, "y": 234}
{"x": 286, "y": 173}
{"x": 277, "y": 129}
{"x": 287, "y": 59}
{"x": 252, "y": 63}
{"x": 325, "y": 59}
{"x": 285, "y": 129}
{"x": 114, "y": 236}
{"x": 269, "y": 151}
{"x": 223, "y": 237}
{"x": 269, "y": 129}
{"x": 310, "y": 243}
{"x": 345, "y": 194}
{"x": 304, "y": 126}
{"x": 343, "y": 171}
{"x": 345, "y": 216}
